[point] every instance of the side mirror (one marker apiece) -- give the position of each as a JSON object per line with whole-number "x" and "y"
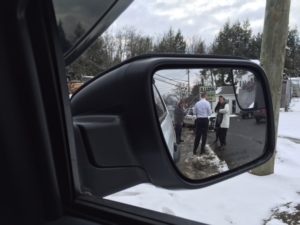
{"x": 124, "y": 130}
{"x": 217, "y": 140}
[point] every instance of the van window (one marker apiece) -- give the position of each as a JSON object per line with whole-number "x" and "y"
{"x": 160, "y": 106}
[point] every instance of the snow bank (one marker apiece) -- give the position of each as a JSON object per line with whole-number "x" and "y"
{"x": 289, "y": 122}
{"x": 219, "y": 89}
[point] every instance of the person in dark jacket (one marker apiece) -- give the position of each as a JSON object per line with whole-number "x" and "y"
{"x": 219, "y": 118}
{"x": 178, "y": 120}
{"x": 222, "y": 121}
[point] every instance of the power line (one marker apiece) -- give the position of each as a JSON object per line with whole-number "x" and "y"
{"x": 167, "y": 82}
{"x": 158, "y": 79}
{"x": 172, "y": 79}
{"x": 176, "y": 80}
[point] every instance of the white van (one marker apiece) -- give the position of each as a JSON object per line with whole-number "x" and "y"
{"x": 166, "y": 125}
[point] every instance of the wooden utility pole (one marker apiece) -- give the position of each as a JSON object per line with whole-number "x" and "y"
{"x": 188, "y": 73}
{"x": 272, "y": 58}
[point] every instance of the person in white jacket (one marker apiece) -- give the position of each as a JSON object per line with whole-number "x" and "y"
{"x": 224, "y": 125}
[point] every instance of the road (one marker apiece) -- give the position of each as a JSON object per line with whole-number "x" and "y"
{"x": 245, "y": 142}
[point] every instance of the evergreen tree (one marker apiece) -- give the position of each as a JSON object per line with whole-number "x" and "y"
{"x": 233, "y": 40}
{"x": 65, "y": 44}
{"x": 78, "y": 31}
{"x": 292, "y": 60}
{"x": 171, "y": 42}
{"x": 196, "y": 46}
{"x": 255, "y": 46}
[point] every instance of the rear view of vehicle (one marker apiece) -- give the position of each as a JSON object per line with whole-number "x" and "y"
{"x": 189, "y": 118}
{"x": 260, "y": 115}
{"x": 246, "y": 114}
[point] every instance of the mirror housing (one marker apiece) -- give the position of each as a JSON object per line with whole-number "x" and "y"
{"x": 118, "y": 107}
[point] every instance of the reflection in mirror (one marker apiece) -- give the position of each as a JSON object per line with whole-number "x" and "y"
{"x": 214, "y": 119}
{"x": 245, "y": 88}
{"x": 75, "y": 18}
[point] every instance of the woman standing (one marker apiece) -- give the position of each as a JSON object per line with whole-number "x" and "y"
{"x": 219, "y": 118}
{"x": 223, "y": 112}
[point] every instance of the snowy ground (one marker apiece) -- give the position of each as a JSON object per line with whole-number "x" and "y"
{"x": 245, "y": 199}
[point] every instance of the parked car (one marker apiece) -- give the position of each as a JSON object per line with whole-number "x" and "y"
{"x": 189, "y": 119}
{"x": 259, "y": 115}
{"x": 74, "y": 85}
{"x": 246, "y": 114}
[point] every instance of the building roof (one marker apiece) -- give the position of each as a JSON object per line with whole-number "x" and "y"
{"x": 225, "y": 90}
{"x": 295, "y": 78}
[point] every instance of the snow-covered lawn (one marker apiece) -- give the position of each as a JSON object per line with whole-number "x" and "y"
{"x": 245, "y": 199}
{"x": 289, "y": 122}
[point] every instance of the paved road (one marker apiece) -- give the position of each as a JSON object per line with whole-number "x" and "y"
{"x": 245, "y": 142}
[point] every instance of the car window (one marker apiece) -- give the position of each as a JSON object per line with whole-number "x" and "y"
{"x": 190, "y": 27}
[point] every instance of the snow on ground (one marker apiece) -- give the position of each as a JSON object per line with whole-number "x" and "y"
{"x": 285, "y": 214}
{"x": 289, "y": 123}
{"x": 210, "y": 158}
{"x": 245, "y": 199}
{"x": 219, "y": 89}
{"x": 215, "y": 160}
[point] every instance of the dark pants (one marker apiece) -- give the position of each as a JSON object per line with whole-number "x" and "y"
{"x": 222, "y": 135}
{"x": 178, "y": 129}
{"x": 201, "y": 131}
{"x": 217, "y": 130}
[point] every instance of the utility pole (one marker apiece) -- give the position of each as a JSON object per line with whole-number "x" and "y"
{"x": 212, "y": 79}
{"x": 272, "y": 58}
{"x": 188, "y": 73}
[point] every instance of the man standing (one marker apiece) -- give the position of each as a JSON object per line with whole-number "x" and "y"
{"x": 178, "y": 118}
{"x": 202, "y": 110}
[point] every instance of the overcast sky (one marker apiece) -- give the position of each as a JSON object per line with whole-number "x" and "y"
{"x": 202, "y": 18}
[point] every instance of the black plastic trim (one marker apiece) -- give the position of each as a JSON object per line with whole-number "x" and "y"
{"x": 140, "y": 72}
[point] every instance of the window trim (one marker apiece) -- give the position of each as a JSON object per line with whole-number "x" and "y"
{"x": 165, "y": 112}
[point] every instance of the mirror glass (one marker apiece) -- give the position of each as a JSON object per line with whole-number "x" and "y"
{"x": 213, "y": 119}
{"x": 76, "y": 18}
